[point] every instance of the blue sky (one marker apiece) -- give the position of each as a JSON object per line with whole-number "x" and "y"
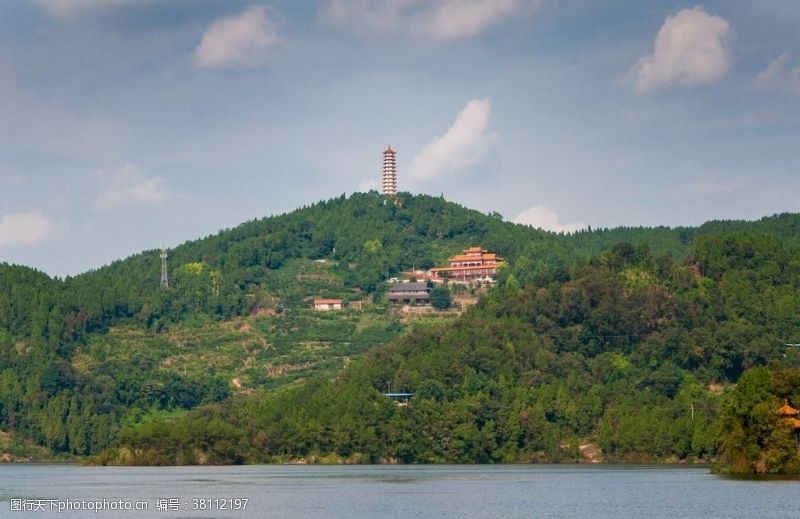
{"x": 125, "y": 124}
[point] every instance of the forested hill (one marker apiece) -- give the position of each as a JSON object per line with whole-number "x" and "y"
{"x": 229, "y": 273}
{"x": 82, "y": 356}
{"x": 629, "y": 353}
{"x": 369, "y": 240}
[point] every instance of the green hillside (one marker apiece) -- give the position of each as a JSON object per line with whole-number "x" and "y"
{"x": 630, "y": 355}
{"x": 84, "y": 356}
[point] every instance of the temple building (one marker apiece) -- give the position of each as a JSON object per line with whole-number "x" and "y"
{"x": 410, "y": 293}
{"x": 473, "y": 265}
{"x": 389, "y": 184}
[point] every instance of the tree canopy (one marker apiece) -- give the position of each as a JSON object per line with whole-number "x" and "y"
{"x": 604, "y": 336}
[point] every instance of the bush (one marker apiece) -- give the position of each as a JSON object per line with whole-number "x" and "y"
{"x": 440, "y": 298}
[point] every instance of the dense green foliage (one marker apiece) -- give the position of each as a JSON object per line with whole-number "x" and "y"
{"x": 81, "y": 357}
{"x": 239, "y": 271}
{"x": 69, "y": 377}
{"x": 440, "y": 298}
{"x": 755, "y": 438}
{"x": 627, "y": 353}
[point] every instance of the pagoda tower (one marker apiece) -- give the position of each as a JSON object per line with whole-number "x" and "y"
{"x": 389, "y": 172}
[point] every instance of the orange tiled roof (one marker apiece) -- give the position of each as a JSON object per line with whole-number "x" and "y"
{"x": 462, "y": 257}
{"x": 787, "y": 410}
{"x": 327, "y": 301}
{"x": 481, "y": 260}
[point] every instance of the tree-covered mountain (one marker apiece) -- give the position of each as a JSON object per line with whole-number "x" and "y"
{"x": 366, "y": 237}
{"x": 629, "y": 353}
{"x": 83, "y": 356}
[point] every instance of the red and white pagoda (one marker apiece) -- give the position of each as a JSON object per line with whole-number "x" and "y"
{"x": 389, "y": 172}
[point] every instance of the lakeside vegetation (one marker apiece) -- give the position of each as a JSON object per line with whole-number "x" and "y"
{"x": 755, "y": 439}
{"x": 630, "y": 354}
{"x": 627, "y": 341}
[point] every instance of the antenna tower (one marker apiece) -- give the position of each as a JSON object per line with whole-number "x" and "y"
{"x": 164, "y": 275}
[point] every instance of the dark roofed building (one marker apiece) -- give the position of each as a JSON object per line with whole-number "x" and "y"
{"x": 408, "y": 293}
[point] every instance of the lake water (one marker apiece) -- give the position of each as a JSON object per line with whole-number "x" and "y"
{"x": 332, "y": 492}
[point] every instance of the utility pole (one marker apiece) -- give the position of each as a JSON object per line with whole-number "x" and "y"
{"x": 164, "y": 274}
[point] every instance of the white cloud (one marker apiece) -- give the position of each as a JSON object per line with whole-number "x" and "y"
{"x": 691, "y": 48}
{"x": 462, "y": 145}
{"x": 25, "y": 228}
{"x": 241, "y": 40}
{"x": 130, "y": 185}
{"x": 780, "y": 75}
{"x": 434, "y": 19}
{"x": 543, "y": 218}
{"x": 457, "y": 19}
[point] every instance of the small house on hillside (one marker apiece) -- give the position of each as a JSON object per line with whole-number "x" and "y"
{"x": 408, "y": 293}
{"x": 327, "y": 304}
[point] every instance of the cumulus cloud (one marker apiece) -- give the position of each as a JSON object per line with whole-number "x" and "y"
{"x": 25, "y": 228}
{"x": 780, "y": 76}
{"x": 433, "y": 19}
{"x": 457, "y": 19}
{"x": 691, "y": 48}
{"x": 462, "y": 145}
{"x": 241, "y": 40}
{"x": 543, "y": 218}
{"x": 130, "y": 185}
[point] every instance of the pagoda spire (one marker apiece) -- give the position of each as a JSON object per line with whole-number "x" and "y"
{"x": 389, "y": 184}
